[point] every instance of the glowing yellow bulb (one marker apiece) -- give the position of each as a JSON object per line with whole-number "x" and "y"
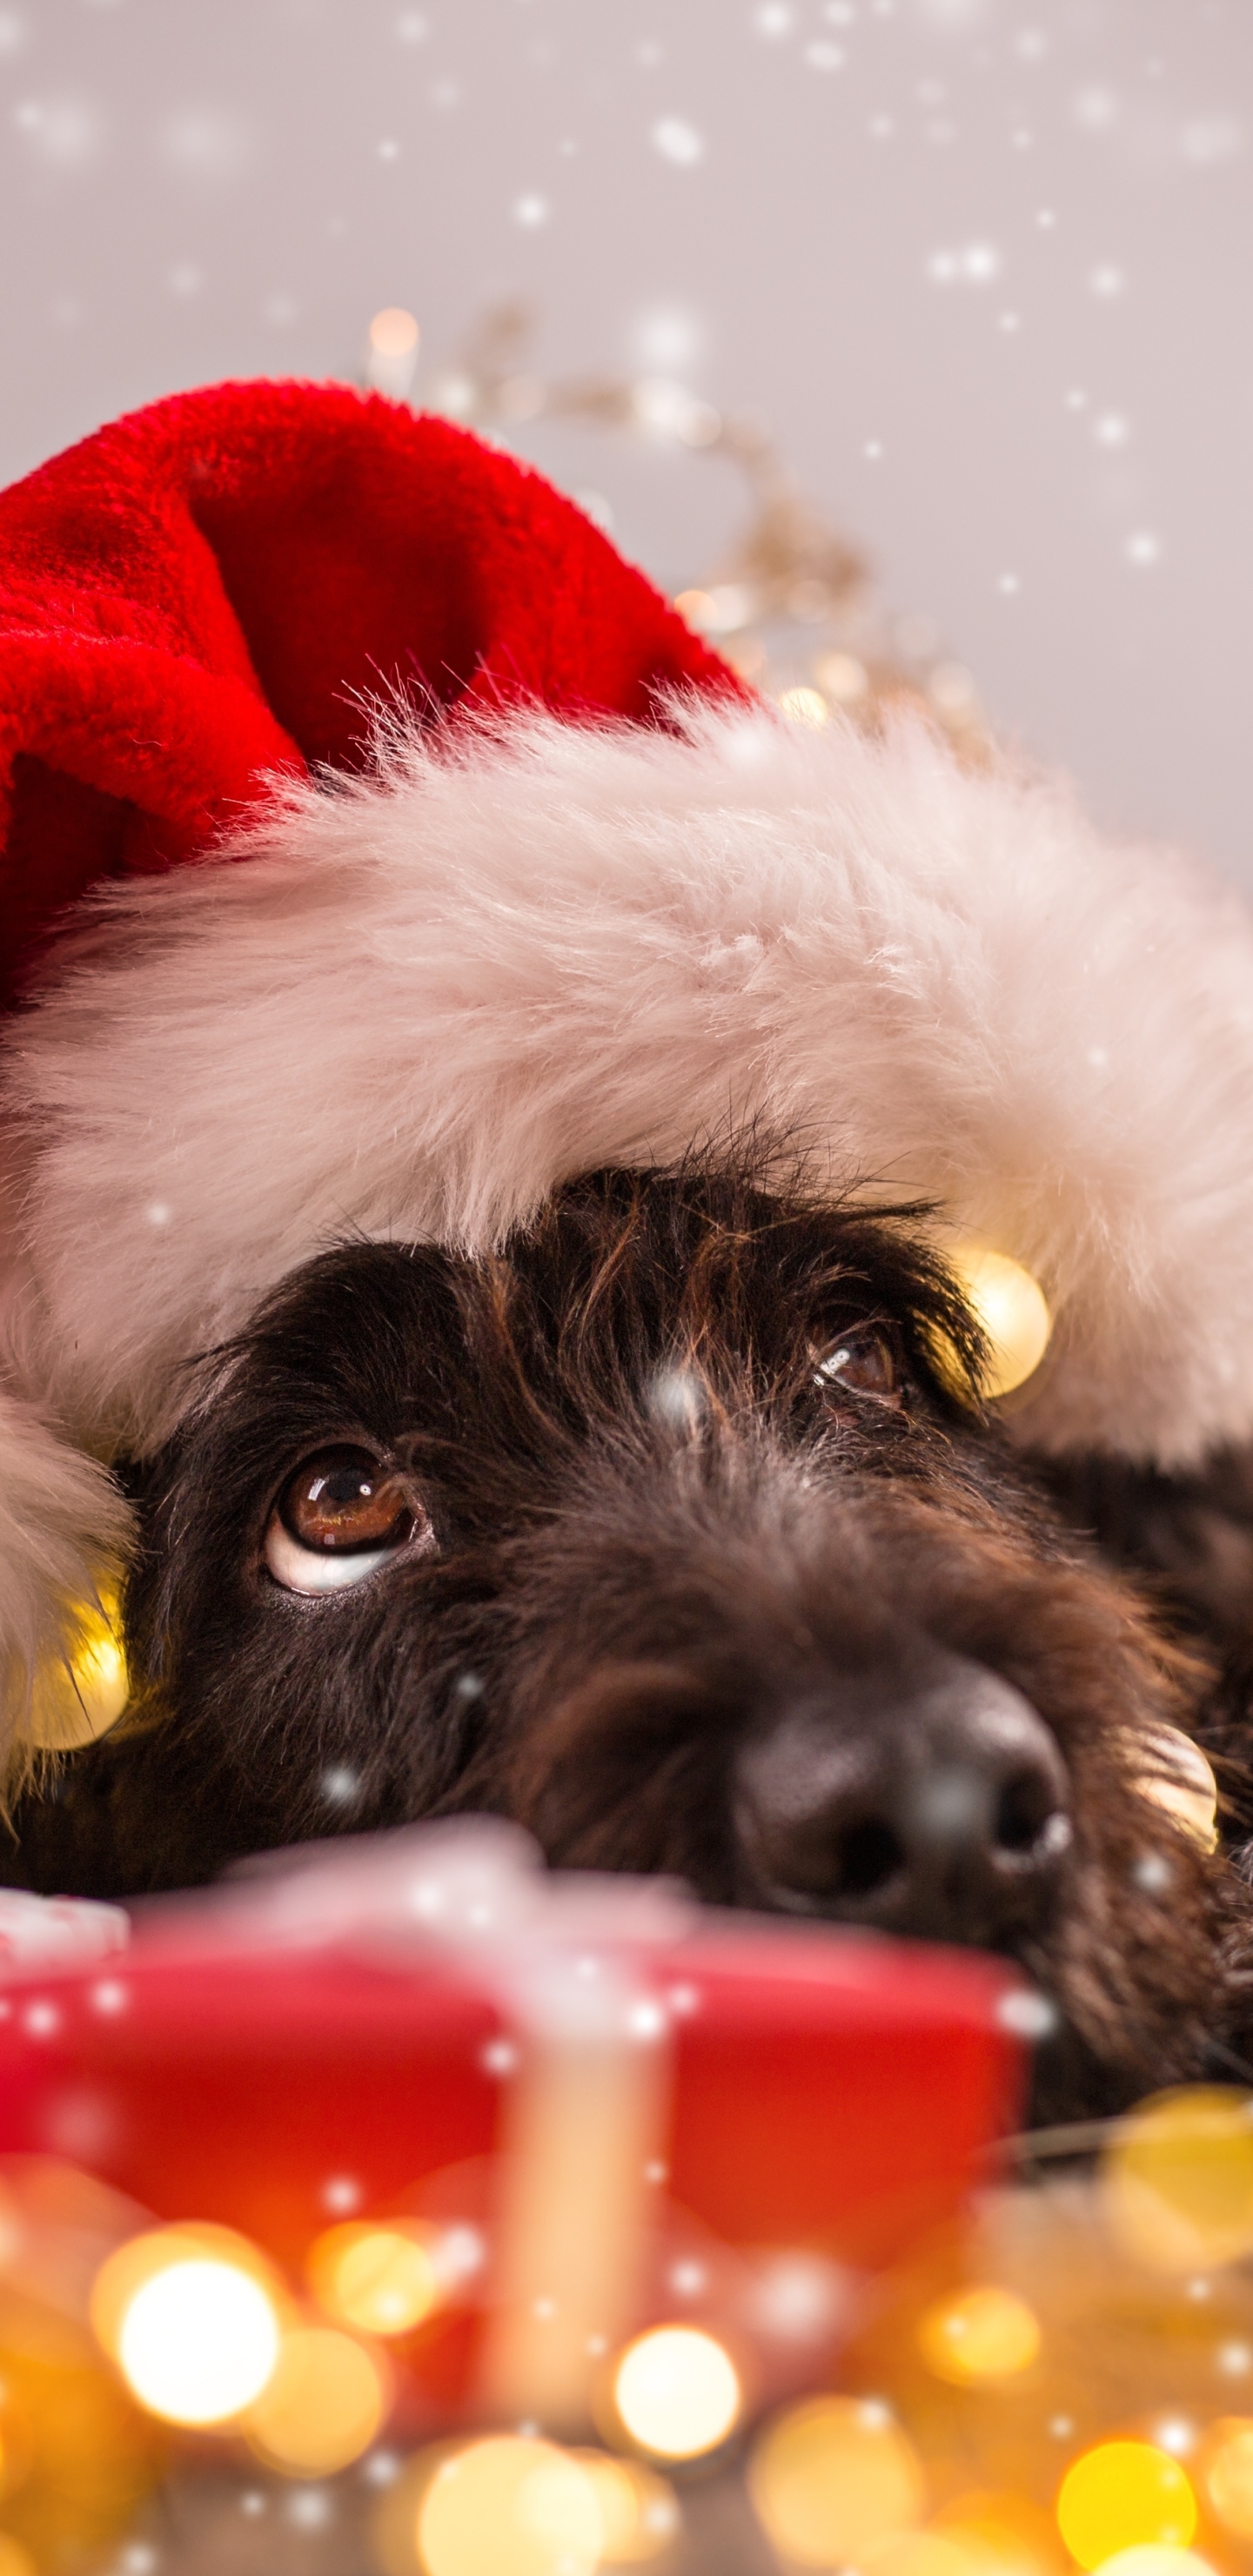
{"x": 677, "y": 2392}
{"x": 1122, "y": 2496}
{"x": 639, "y": 2513}
{"x": 805, "y": 707}
{"x": 380, "y": 2279}
{"x": 1178, "y": 1777}
{"x": 1010, "y": 1306}
{"x": 393, "y": 332}
{"x": 980, "y": 2334}
{"x": 321, "y": 2407}
{"x": 1177, "y": 2182}
{"x": 80, "y": 1695}
{"x": 188, "y": 2315}
{"x": 510, "y": 2507}
{"x": 835, "y": 2478}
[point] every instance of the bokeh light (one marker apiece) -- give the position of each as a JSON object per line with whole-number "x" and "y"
{"x": 14, "y": 2559}
{"x": 984, "y": 2333}
{"x": 510, "y": 2506}
{"x": 999, "y": 2533}
{"x": 1125, "y": 2495}
{"x": 380, "y": 2278}
{"x": 677, "y": 2392}
{"x": 639, "y": 2512}
{"x": 1177, "y": 2182}
{"x": 834, "y": 2478}
{"x": 322, "y": 2405}
{"x": 1011, "y": 1307}
{"x": 189, "y": 2316}
{"x": 1155, "y": 2560}
{"x": 1227, "y": 2473}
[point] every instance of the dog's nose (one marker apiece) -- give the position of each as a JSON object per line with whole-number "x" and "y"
{"x": 929, "y": 1799}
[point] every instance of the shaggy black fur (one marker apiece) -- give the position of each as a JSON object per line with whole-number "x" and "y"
{"x": 653, "y": 1524}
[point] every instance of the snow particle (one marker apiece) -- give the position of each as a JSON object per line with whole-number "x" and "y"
{"x": 204, "y": 143}
{"x": 342, "y": 2194}
{"x": 882, "y": 128}
{"x": 388, "y": 149}
{"x": 1046, "y": 218}
{"x": 1207, "y": 139}
{"x": 1096, "y": 109}
{"x": 340, "y": 1786}
{"x": 1143, "y": 548}
{"x": 1007, "y": 584}
{"x": 65, "y": 132}
{"x": 1028, "y": 2015}
{"x": 280, "y": 310}
{"x": 975, "y": 265}
{"x": 1009, "y": 321}
{"x": 1111, "y": 430}
{"x": 1031, "y": 45}
{"x": 773, "y": 19}
{"x": 678, "y": 142}
{"x": 309, "y": 2508}
{"x": 531, "y": 210}
{"x": 1107, "y": 280}
{"x": 12, "y": 31}
{"x": 412, "y": 28}
{"x": 183, "y": 279}
{"x": 824, "y": 57}
{"x": 873, "y": 450}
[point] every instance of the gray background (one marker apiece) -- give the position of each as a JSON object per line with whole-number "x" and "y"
{"x": 982, "y": 265}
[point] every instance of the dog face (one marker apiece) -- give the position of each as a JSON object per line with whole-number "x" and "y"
{"x": 675, "y": 1532}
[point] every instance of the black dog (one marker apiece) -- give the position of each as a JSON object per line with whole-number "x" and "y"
{"x": 678, "y": 1532}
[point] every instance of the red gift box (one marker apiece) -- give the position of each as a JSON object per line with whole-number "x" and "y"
{"x": 608, "y": 2099}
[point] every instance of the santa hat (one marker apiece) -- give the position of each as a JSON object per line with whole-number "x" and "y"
{"x": 382, "y": 850}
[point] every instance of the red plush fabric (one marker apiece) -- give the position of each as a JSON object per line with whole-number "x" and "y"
{"x": 213, "y": 587}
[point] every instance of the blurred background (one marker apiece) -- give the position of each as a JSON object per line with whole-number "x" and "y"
{"x": 969, "y": 277}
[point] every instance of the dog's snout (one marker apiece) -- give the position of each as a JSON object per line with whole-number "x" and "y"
{"x": 928, "y": 1800}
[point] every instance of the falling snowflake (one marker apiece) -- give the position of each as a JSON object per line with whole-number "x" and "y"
{"x": 678, "y": 142}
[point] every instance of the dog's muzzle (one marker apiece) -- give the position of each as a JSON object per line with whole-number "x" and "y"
{"x": 927, "y": 1799}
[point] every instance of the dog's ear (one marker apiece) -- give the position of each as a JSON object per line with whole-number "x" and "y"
{"x": 1189, "y": 1536}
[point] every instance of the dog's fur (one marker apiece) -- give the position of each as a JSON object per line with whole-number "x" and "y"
{"x": 651, "y": 1525}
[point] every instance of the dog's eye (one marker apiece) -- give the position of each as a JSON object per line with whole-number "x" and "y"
{"x": 861, "y": 1362}
{"x": 340, "y": 1517}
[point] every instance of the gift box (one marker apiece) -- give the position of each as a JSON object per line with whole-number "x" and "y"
{"x": 594, "y": 2105}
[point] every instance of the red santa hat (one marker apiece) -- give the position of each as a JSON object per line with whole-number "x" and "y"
{"x": 382, "y": 850}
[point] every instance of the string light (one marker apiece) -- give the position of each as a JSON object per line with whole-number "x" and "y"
{"x": 381, "y": 2279}
{"x": 1011, "y": 1308}
{"x": 1177, "y": 2181}
{"x": 1177, "y": 1777}
{"x": 1121, "y": 2496}
{"x": 78, "y": 1698}
{"x": 834, "y": 2478}
{"x": 982, "y": 2334}
{"x": 677, "y": 2392}
{"x": 190, "y": 2319}
{"x": 794, "y": 607}
{"x": 510, "y": 2506}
